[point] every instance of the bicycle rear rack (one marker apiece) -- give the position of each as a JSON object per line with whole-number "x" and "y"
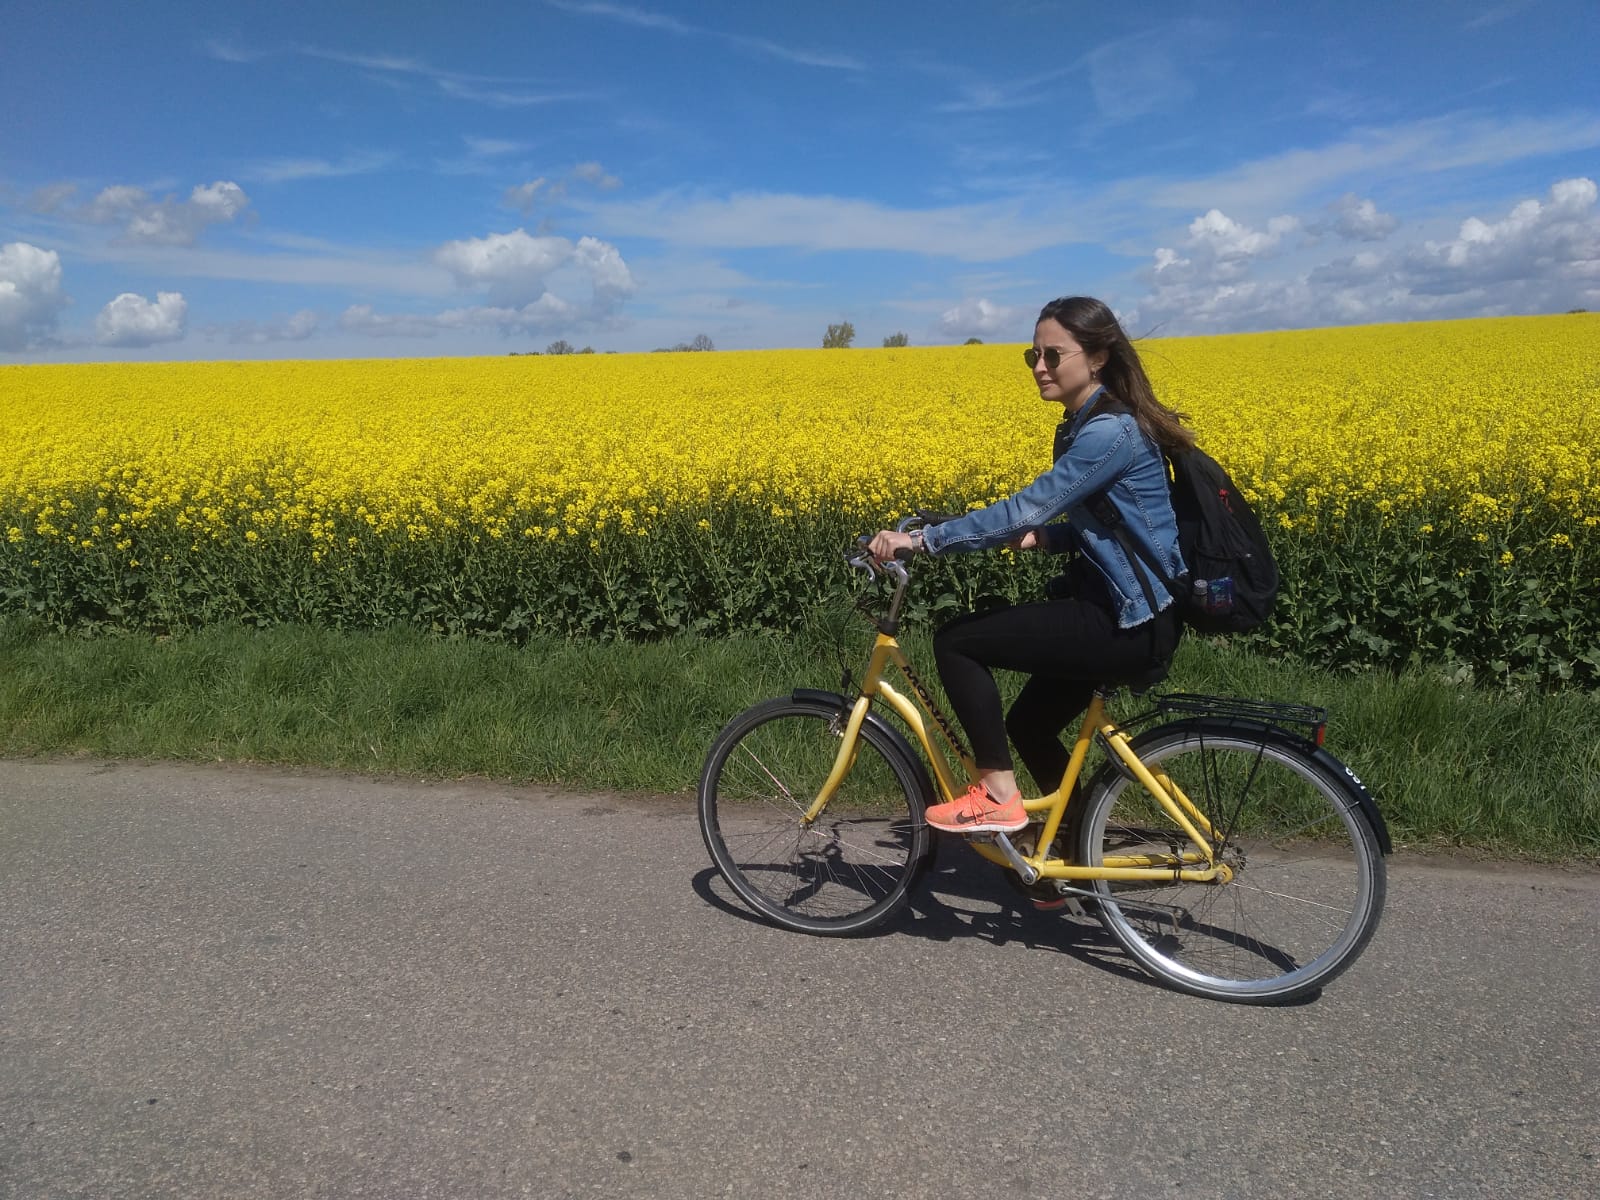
{"x": 1304, "y": 719}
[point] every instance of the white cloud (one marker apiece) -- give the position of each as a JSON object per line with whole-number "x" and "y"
{"x": 51, "y": 198}
{"x": 288, "y": 170}
{"x": 1562, "y": 232}
{"x": 1415, "y": 149}
{"x": 512, "y": 266}
{"x": 593, "y": 172}
{"x": 131, "y": 320}
{"x": 612, "y": 281}
{"x": 978, "y": 317}
{"x": 1225, "y": 240}
{"x": 1150, "y": 71}
{"x": 1500, "y": 12}
{"x": 973, "y": 233}
{"x": 293, "y": 261}
{"x": 115, "y": 203}
{"x": 296, "y": 327}
{"x": 482, "y": 147}
{"x": 547, "y": 314}
{"x": 30, "y": 295}
{"x": 497, "y": 97}
{"x": 221, "y": 201}
{"x": 520, "y": 275}
{"x": 521, "y": 197}
{"x": 1360, "y": 221}
{"x": 168, "y": 221}
{"x": 1542, "y": 256}
{"x": 1220, "y": 249}
{"x": 645, "y": 19}
{"x": 360, "y": 318}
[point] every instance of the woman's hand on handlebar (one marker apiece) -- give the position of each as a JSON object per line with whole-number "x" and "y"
{"x": 887, "y": 543}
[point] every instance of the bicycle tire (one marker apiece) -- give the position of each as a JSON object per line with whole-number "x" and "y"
{"x": 849, "y": 871}
{"x": 1309, "y": 877}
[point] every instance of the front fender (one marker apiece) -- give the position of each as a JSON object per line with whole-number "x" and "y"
{"x": 901, "y": 744}
{"x": 833, "y": 700}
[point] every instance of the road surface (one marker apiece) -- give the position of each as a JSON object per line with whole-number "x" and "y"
{"x": 245, "y": 982}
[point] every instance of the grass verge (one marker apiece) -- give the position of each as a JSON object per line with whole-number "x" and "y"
{"x": 1493, "y": 771}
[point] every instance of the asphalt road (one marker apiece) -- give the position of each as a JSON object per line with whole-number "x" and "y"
{"x": 238, "y": 982}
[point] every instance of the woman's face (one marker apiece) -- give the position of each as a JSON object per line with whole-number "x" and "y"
{"x": 1069, "y": 382}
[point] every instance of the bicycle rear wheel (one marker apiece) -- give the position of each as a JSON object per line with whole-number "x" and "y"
{"x": 852, "y": 868}
{"x": 1308, "y": 873}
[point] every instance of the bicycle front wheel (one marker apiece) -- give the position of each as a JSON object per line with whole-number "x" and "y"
{"x": 1308, "y": 880}
{"x": 849, "y": 870}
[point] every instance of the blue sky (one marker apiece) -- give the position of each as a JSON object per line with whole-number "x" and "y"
{"x": 192, "y": 180}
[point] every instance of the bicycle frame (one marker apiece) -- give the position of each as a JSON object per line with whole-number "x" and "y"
{"x": 1197, "y": 865}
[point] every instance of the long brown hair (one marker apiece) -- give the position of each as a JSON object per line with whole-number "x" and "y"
{"x": 1095, "y": 327}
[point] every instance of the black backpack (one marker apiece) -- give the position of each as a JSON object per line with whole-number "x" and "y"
{"x": 1232, "y": 579}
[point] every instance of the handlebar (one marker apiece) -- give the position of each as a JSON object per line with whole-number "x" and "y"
{"x": 895, "y": 568}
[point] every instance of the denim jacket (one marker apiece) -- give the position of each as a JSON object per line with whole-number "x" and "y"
{"x": 1106, "y": 452}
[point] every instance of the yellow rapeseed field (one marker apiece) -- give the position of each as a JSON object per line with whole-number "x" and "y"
{"x": 1432, "y": 488}
{"x": 1471, "y": 420}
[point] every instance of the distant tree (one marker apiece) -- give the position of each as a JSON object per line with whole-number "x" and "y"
{"x": 701, "y": 342}
{"x": 1574, "y": 311}
{"x": 839, "y": 336}
{"x": 897, "y": 339}
{"x": 587, "y": 350}
{"x": 973, "y": 342}
{"x": 559, "y": 347}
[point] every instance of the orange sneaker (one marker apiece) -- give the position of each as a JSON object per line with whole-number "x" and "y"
{"x": 979, "y": 812}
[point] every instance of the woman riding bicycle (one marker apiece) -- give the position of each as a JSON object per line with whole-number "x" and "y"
{"x": 1097, "y": 626}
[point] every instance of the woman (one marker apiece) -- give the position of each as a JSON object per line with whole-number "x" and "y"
{"x": 1101, "y": 628}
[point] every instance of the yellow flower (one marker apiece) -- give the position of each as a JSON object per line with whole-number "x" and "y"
{"x": 1424, "y": 426}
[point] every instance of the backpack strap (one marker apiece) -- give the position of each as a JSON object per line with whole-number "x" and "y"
{"x": 1106, "y": 513}
{"x": 1101, "y": 508}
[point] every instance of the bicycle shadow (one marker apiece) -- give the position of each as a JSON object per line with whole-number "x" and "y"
{"x": 965, "y": 896}
{"x": 957, "y": 899}
{"x": 937, "y": 910}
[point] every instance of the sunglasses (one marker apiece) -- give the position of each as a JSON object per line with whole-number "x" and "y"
{"x": 1052, "y": 357}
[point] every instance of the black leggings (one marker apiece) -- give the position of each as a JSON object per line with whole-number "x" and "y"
{"x": 1069, "y": 646}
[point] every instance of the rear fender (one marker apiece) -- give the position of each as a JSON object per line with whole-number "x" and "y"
{"x": 1336, "y": 769}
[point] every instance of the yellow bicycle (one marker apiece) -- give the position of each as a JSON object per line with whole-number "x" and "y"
{"x": 1222, "y": 846}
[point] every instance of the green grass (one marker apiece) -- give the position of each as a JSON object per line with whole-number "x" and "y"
{"x": 1494, "y": 771}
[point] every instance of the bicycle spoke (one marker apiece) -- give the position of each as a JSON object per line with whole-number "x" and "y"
{"x": 1304, "y": 880}
{"x": 842, "y": 872}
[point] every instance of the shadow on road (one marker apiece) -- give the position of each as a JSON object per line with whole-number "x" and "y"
{"x": 956, "y": 901}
